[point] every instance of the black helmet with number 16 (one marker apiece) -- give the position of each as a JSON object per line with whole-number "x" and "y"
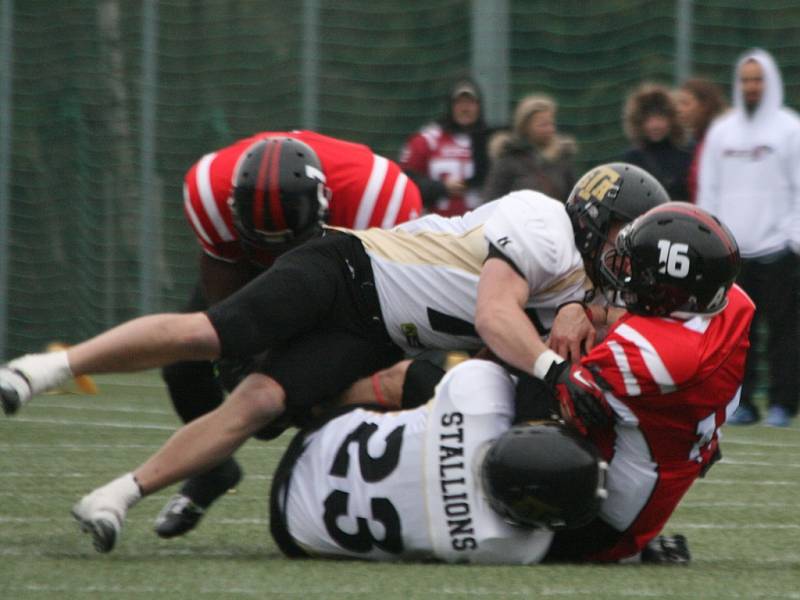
{"x": 676, "y": 259}
{"x": 279, "y": 198}
{"x": 614, "y": 193}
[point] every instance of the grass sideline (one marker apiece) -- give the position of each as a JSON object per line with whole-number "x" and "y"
{"x": 743, "y": 523}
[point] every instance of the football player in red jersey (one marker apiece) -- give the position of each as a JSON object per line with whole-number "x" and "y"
{"x": 366, "y": 190}
{"x": 356, "y": 189}
{"x": 669, "y": 372}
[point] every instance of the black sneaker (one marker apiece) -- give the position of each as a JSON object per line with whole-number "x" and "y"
{"x": 667, "y": 550}
{"x": 178, "y": 516}
{"x": 183, "y": 511}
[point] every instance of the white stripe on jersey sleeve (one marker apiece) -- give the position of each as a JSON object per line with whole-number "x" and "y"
{"x": 198, "y": 227}
{"x": 698, "y": 324}
{"x": 370, "y": 196}
{"x": 207, "y": 197}
{"x": 622, "y": 410}
{"x": 390, "y": 216}
{"x": 655, "y": 365}
{"x": 623, "y": 366}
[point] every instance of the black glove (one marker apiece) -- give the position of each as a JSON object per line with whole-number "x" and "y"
{"x": 580, "y": 399}
{"x": 667, "y": 550}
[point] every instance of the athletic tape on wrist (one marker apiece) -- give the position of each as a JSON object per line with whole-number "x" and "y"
{"x": 543, "y": 363}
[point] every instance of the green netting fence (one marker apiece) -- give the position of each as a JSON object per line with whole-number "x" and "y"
{"x": 104, "y": 104}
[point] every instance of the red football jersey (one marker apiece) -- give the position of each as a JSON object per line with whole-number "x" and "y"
{"x": 367, "y": 190}
{"x": 441, "y": 155}
{"x": 673, "y": 384}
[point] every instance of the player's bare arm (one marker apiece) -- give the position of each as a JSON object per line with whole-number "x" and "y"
{"x": 384, "y": 388}
{"x": 500, "y": 317}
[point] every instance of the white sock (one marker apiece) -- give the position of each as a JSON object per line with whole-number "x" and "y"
{"x": 43, "y": 371}
{"x": 123, "y": 490}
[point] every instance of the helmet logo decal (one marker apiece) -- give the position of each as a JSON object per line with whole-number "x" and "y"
{"x": 719, "y": 297}
{"x": 315, "y": 173}
{"x": 673, "y": 259}
{"x": 597, "y": 183}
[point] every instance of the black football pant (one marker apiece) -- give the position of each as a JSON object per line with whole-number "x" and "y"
{"x": 193, "y": 386}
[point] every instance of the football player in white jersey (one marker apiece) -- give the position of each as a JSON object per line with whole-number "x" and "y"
{"x": 327, "y": 313}
{"x": 450, "y": 480}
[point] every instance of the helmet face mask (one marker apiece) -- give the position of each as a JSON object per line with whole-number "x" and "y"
{"x": 606, "y": 196}
{"x": 279, "y": 197}
{"x": 677, "y": 260}
{"x": 544, "y": 475}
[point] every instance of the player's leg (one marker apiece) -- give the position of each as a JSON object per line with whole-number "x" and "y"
{"x": 193, "y": 449}
{"x": 142, "y": 343}
{"x": 195, "y": 390}
{"x": 312, "y": 289}
{"x": 406, "y": 384}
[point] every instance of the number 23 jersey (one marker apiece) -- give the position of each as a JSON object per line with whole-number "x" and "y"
{"x": 406, "y": 485}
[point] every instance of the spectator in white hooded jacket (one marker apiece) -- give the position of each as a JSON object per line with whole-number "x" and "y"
{"x": 750, "y": 178}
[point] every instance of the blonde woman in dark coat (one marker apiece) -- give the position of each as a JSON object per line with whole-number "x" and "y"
{"x": 533, "y": 155}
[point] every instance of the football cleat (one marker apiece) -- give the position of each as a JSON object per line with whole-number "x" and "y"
{"x": 14, "y": 390}
{"x": 183, "y": 512}
{"x": 178, "y": 516}
{"x": 97, "y": 515}
{"x": 667, "y": 550}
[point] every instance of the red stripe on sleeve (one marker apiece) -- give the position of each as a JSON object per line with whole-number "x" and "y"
{"x": 258, "y": 198}
{"x": 275, "y": 206}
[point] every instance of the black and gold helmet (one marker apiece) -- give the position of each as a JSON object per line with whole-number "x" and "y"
{"x": 613, "y": 193}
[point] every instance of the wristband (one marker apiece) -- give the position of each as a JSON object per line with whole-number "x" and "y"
{"x": 376, "y": 387}
{"x": 543, "y": 363}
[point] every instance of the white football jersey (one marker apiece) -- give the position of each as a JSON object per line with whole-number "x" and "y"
{"x": 406, "y": 485}
{"x": 426, "y": 270}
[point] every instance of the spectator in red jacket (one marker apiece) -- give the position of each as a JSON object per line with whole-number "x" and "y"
{"x": 447, "y": 157}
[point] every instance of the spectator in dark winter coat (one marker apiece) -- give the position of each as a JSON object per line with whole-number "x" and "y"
{"x": 652, "y": 126}
{"x": 534, "y": 155}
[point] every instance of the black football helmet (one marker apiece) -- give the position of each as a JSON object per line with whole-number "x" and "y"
{"x": 544, "y": 475}
{"x": 279, "y": 198}
{"x": 609, "y": 194}
{"x": 675, "y": 260}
